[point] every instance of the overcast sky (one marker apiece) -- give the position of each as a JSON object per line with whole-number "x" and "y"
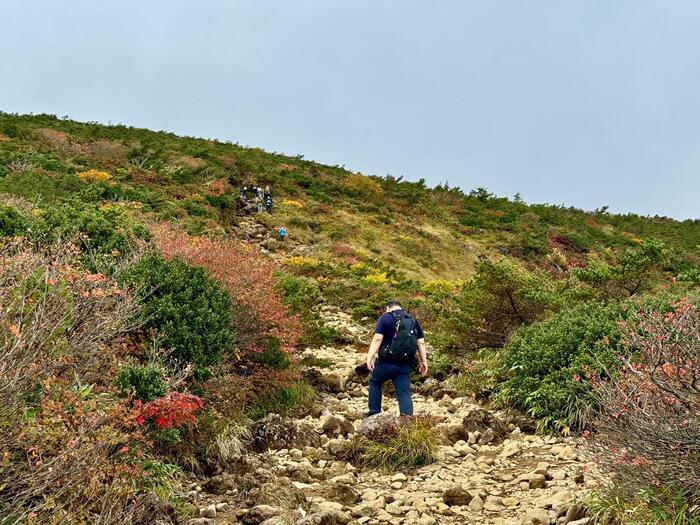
{"x": 586, "y": 103}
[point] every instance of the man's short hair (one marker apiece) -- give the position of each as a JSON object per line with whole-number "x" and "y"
{"x": 393, "y": 303}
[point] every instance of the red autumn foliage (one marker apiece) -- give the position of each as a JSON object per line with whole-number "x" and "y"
{"x": 174, "y": 409}
{"x": 649, "y": 429}
{"x": 248, "y": 277}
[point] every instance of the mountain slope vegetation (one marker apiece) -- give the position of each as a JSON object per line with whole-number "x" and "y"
{"x": 148, "y": 320}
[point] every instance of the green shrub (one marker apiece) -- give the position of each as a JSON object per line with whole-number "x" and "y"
{"x": 101, "y": 230}
{"x": 300, "y": 293}
{"x": 477, "y": 377}
{"x": 545, "y": 363}
{"x": 12, "y": 222}
{"x": 273, "y": 356}
{"x": 295, "y": 397}
{"x": 144, "y": 382}
{"x": 413, "y": 443}
{"x": 186, "y": 306}
{"x": 501, "y": 297}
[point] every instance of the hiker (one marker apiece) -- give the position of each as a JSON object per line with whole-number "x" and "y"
{"x": 268, "y": 203}
{"x": 282, "y": 232}
{"x": 244, "y": 193}
{"x": 258, "y": 202}
{"x": 397, "y": 345}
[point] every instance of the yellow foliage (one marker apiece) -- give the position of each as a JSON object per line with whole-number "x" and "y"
{"x": 292, "y": 203}
{"x": 441, "y": 286}
{"x": 300, "y": 261}
{"x": 94, "y": 176}
{"x": 362, "y": 253}
{"x": 359, "y": 267}
{"x": 375, "y": 277}
{"x": 365, "y": 186}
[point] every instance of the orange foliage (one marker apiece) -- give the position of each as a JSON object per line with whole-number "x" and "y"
{"x": 248, "y": 277}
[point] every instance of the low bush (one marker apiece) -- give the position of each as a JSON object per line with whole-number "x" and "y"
{"x": 501, "y": 297}
{"x": 173, "y": 410}
{"x": 256, "y": 308}
{"x": 546, "y": 364}
{"x": 272, "y": 356}
{"x": 413, "y": 443}
{"x": 186, "y": 306}
{"x": 294, "y": 397}
{"x": 12, "y": 221}
{"x": 71, "y": 448}
{"x": 648, "y": 432}
{"x": 631, "y": 272}
{"x": 478, "y": 376}
{"x": 143, "y": 382}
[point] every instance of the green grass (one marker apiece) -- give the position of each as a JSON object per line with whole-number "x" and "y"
{"x": 297, "y": 397}
{"x": 657, "y": 506}
{"x": 414, "y": 443}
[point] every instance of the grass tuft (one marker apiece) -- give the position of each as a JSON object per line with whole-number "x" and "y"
{"x": 413, "y": 443}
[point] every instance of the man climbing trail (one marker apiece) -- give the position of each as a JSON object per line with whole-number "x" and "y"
{"x": 398, "y": 341}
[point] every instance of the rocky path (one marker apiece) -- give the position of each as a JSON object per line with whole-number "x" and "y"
{"x": 494, "y": 474}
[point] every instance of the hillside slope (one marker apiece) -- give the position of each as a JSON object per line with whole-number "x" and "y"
{"x": 427, "y": 233}
{"x": 156, "y": 328}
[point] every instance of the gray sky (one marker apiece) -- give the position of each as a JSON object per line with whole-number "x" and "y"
{"x": 585, "y": 103}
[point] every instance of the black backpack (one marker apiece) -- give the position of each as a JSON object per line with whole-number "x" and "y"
{"x": 404, "y": 346}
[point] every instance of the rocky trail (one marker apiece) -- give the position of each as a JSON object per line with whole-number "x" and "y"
{"x": 493, "y": 469}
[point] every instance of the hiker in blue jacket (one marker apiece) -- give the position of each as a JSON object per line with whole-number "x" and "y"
{"x": 397, "y": 344}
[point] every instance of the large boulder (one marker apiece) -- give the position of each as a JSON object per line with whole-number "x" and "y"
{"x": 260, "y": 513}
{"x": 535, "y": 517}
{"x": 325, "y": 516}
{"x": 342, "y": 493}
{"x": 337, "y": 426}
{"x": 376, "y": 426}
{"x": 456, "y": 495}
{"x": 524, "y": 422}
{"x": 452, "y": 432}
{"x": 221, "y": 484}
{"x": 275, "y": 432}
{"x": 491, "y": 429}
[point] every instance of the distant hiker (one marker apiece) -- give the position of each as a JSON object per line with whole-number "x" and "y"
{"x": 268, "y": 203}
{"x": 244, "y": 193}
{"x": 258, "y": 202}
{"x": 397, "y": 345}
{"x": 282, "y": 232}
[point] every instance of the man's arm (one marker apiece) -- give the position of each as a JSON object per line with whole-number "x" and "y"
{"x": 422, "y": 357}
{"x": 373, "y": 350}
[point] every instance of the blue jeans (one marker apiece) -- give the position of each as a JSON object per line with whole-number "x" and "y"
{"x": 400, "y": 375}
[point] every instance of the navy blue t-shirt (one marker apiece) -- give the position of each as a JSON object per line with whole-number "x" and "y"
{"x": 386, "y": 325}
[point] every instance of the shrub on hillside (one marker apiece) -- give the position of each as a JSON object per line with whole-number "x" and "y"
{"x": 12, "y": 221}
{"x": 143, "y": 382}
{"x": 99, "y": 230}
{"x": 71, "y": 448}
{"x": 303, "y": 295}
{"x": 632, "y": 272}
{"x": 547, "y": 364}
{"x": 257, "y": 310}
{"x": 501, "y": 297}
{"x": 648, "y": 433}
{"x": 186, "y": 306}
{"x": 173, "y": 410}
